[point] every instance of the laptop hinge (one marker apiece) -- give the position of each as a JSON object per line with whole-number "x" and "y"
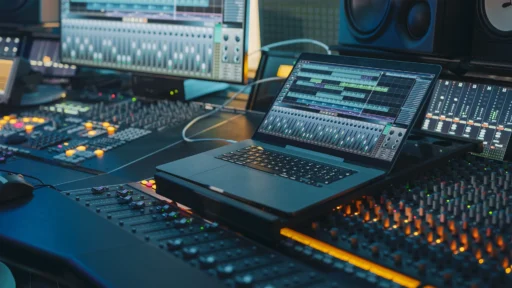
{"x": 314, "y": 154}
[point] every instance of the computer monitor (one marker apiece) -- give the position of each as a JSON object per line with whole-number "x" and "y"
{"x": 200, "y": 39}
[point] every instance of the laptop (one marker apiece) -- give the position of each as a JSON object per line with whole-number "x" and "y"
{"x": 338, "y": 123}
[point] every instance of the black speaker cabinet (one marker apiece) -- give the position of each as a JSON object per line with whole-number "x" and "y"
{"x": 29, "y": 11}
{"x": 492, "y": 38}
{"x": 427, "y": 27}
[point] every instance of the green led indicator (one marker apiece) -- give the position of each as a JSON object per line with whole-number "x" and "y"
{"x": 469, "y": 206}
{"x": 490, "y": 212}
{"x": 134, "y": 99}
{"x": 202, "y": 228}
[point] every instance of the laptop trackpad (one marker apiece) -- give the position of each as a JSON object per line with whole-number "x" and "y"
{"x": 266, "y": 189}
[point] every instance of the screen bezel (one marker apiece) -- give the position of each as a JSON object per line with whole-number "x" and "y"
{"x": 476, "y": 80}
{"x": 364, "y": 62}
{"x": 245, "y": 65}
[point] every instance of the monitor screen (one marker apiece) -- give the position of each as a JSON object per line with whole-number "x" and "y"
{"x": 356, "y": 109}
{"x": 45, "y": 58}
{"x": 5, "y": 75}
{"x": 204, "y": 39}
{"x": 472, "y": 110}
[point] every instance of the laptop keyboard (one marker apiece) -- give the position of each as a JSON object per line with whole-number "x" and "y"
{"x": 286, "y": 166}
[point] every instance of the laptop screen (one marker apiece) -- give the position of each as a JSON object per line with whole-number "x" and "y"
{"x": 352, "y": 107}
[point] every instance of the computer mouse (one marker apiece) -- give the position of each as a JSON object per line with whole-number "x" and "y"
{"x": 13, "y": 186}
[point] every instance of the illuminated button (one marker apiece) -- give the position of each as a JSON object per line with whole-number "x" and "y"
{"x": 106, "y": 124}
{"x": 152, "y": 181}
{"x": 40, "y": 120}
{"x": 66, "y": 143}
{"x": 88, "y": 125}
{"x": 99, "y": 153}
{"x": 143, "y": 182}
{"x": 70, "y": 153}
{"x": 81, "y": 148}
{"x": 154, "y": 187}
{"x": 35, "y": 119}
{"x": 26, "y": 119}
{"x": 149, "y": 185}
{"x": 3, "y": 122}
{"x": 111, "y": 130}
{"x": 29, "y": 128}
{"x": 7, "y": 118}
{"x": 12, "y": 121}
{"x": 91, "y": 133}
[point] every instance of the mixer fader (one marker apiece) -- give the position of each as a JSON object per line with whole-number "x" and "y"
{"x": 376, "y": 140}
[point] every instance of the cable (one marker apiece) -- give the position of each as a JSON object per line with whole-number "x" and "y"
{"x": 183, "y": 133}
{"x": 46, "y": 185}
{"x": 32, "y": 177}
{"x": 291, "y": 42}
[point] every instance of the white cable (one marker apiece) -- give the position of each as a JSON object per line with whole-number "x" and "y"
{"x": 291, "y": 42}
{"x": 183, "y": 133}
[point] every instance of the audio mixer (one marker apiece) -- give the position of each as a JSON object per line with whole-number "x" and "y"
{"x": 448, "y": 227}
{"x": 474, "y": 111}
{"x": 83, "y": 135}
{"x": 194, "y": 39}
{"x": 233, "y": 259}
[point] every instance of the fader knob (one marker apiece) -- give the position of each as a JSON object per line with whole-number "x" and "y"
{"x": 244, "y": 281}
{"x": 190, "y": 252}
{"x": 225, "y": 271}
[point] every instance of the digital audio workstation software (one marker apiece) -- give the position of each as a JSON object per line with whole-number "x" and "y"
{"x": 356, "y": 109}
{"x": 204, "y": 39}
{"x": 475, "y": 111}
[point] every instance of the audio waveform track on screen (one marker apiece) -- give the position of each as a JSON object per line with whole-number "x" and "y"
{"x": 353, "y": 91}
{"x": 475, "y": 111}
{"x": 152, "y": 9}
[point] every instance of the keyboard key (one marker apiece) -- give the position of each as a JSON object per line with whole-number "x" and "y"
{"x": 290, "y": 167}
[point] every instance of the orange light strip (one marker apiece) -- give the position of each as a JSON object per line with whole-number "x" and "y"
{"x": 355, "y": 260}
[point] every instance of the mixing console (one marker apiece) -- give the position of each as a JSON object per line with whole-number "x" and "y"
{"x": 449, "y": 227}
{"x": 475, "y": 111}
{"x": 74, "y": 133}
{"x": 223, "y": 254}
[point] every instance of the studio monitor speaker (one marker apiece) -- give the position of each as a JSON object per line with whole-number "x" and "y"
{"x": 492, "y": 33}
{"x": 29, "y": 11}
{"x": 426, "y": 27}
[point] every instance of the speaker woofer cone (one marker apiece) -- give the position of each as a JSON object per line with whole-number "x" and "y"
{"x": 418, "y": 20}
{"x": 495, "y": 18}
{"x": 367, "y": 17}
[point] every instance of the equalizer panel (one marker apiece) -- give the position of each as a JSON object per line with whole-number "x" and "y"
{"x": 347, "y": 108}
{"x": 474, "y": 111}
{"x": 192, "y": 39}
